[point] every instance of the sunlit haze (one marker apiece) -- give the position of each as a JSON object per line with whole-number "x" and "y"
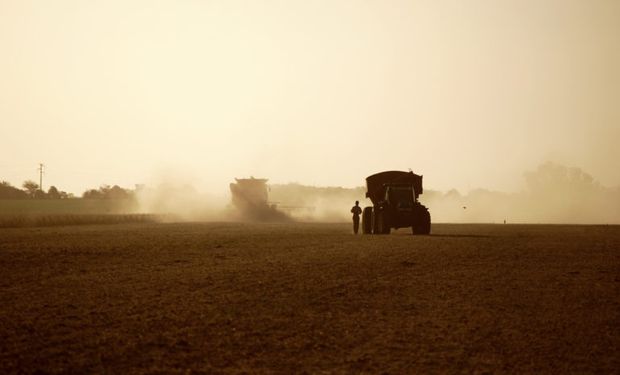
{"x": 468, "y": 93}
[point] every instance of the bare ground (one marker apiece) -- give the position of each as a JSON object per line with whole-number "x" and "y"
{"x": 282, "y": 298}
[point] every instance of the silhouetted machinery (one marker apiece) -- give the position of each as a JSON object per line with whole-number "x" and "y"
{"x": 394, "y": 195}
{"x": 250, "y": 197}
{"x": 249, "y": 193}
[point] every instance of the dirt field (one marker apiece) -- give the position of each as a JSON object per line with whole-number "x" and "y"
{"x": 295, "y": 298}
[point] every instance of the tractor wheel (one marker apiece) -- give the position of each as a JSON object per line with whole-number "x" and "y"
{"x": 367, "y": 220}
{"x": 381, "y": 225}
{"x": 375, "y": 222}
{"x": 423, "y": 222}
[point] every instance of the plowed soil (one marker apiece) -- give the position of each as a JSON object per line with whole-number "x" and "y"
{"x": 313, "y": 298}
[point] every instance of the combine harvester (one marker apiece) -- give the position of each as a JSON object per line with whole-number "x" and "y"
{"x": 250, "y": 198}
{"x": 394, "y": 195}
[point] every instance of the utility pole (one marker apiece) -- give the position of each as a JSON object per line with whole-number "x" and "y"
{"x": 41, "y": 176}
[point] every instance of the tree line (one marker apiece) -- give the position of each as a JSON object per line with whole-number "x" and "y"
{"x": 31, "y": 190}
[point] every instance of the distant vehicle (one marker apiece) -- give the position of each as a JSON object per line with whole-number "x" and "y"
{"x": 249, "y": 193}
{"x": 250, "y": 196}
{"x": 394, "y": 195}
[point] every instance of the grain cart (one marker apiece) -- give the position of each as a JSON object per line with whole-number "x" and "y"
{"x": 394, "y": 197}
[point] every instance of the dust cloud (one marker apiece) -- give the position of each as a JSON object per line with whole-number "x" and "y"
{"x": 177, "y": 199}
{"x": 310, "y": 203}
{"x": 179, "y": 202}
{"x": 553, "y": 193}
{"x": 174, "y": 197}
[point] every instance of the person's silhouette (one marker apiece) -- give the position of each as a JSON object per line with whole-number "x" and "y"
{"x": 356, "y": 211}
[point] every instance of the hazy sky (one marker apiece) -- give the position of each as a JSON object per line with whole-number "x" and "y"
{"x": 468, "y": 93}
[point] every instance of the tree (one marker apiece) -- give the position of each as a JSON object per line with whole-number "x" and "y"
{"x": 92, "y": 194}
{"x": 40, "y": 194}
{"x": 117, "y": 192}
{"x": 9, "y": 192}
{"x": 53, "y": 193}
{"x": 552, "y": 179}
{"x": 31, "y": 187}
{"x": 107, "y": 192}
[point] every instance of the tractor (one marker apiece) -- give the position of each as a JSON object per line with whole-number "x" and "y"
{"x": 394, "y": 196}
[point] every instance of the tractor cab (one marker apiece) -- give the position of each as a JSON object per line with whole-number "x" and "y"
{"x": 400, "y": 197}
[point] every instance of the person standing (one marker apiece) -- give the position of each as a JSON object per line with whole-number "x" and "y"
{"x": 356, "y": 211}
